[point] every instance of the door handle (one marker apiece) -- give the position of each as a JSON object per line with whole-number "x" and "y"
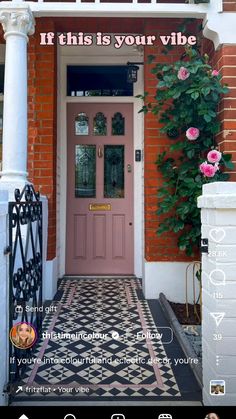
{"x": 100, "y": 152}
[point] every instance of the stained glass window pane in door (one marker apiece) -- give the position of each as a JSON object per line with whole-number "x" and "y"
{"x": 114, "y": 171}
{"x": 81, "y": 124}
{"x": 100, "y": 124}
{"x": 118, "y": 124}
{"x": 85, "y": 171}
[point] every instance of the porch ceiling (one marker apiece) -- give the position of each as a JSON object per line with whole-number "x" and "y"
{"x": 134, "y": 9}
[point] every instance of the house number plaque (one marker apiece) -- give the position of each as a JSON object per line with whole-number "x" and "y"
{"x": 99, "y": 207}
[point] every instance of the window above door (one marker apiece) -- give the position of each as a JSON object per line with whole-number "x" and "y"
{"x": 109, "y": 80}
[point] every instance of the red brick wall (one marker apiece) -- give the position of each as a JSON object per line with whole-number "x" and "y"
{"x": 229, "y": 5}
{"x": 42, "y": 120}
{"x": 225, "y": 62}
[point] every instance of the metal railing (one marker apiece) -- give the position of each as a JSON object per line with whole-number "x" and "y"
{"x": 25, "y": 270}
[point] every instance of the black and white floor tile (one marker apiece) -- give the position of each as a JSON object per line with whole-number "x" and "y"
{"x": 114, "y": 365}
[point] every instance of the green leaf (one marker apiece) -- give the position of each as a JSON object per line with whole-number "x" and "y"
{"x": 176, "y": 95}
{"x": 177, "y": 146}
{"x": 205, "y": 90}
{"x": 150, "y": 58}
{"x": 189, "y": 180}
{"x": 189, "y": 91}
{"x": 161, "y": 84}
{"x": 198, "y": 179}
{"x": 144, "y": 109}
{"x": 226, "y": 157}
{"x": 179, "y": 225}
{"x": 225, "y": 89}
{"x": 162, "y": 193}
{"x": 195, "y": 95}
{"x": 229, "y": 165}
{"x": 191, "y": 153}
{"x": 166, "y": 68}
{"x": 207, "y": 118}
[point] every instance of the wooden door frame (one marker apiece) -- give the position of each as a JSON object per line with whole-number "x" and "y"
{"x": 138, "y": 124}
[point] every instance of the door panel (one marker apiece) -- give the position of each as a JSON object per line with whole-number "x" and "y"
{"x": 99, "y": 233}
{"x": 118, "y": 236}
{"x": 80, "y": 236}
{"x": 99, "y": 236}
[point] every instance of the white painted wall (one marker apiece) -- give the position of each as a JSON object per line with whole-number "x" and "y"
{"x": 49, "y": 266}
{"x": 169, "y": 278}
{"x": 4, "y": 286}
{"x": 218, "y": 204}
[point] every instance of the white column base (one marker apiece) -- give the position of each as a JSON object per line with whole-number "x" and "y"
{"x": 10, "y": 184}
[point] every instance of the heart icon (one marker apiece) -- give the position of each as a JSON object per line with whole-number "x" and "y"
{"x": 217, "y": 234}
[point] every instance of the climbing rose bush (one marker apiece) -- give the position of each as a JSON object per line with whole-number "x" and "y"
{"x": 186, "y": 102}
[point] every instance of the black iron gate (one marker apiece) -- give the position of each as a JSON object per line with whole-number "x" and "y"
{"x": 25, "y": 272}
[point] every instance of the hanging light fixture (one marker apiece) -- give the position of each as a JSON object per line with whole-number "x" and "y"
{"x": 132, "y": 72}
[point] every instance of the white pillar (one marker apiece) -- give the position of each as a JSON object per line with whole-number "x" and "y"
{"x": 218, "y": 214}
{"x": 17, "y": 22}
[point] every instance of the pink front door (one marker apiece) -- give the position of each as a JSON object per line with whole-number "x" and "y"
{"x": 99, "y": 236}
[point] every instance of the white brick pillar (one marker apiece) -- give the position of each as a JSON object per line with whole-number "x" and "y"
{"x": 18, "y": 23}
{"x": 218, "y": 215}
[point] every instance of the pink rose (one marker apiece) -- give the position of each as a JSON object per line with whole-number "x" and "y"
{"x": 208, "y": 169}
{"x": 183, "y": 73}
{"x": 202, "y": 166}
{"x": 215, "y": 73}
{"x": 192, "y": 133}
{"x": 214, "y": 156}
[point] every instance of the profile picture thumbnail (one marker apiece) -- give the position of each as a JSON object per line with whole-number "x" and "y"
{"x": 23, "y": 335}
{"x": 212, "y": 416}
{"x": 217, "y": 387}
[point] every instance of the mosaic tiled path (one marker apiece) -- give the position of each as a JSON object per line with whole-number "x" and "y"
{"x": 99, "y": 368}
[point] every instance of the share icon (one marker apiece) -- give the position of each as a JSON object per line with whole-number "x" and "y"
{"x": 218, "y": 317}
